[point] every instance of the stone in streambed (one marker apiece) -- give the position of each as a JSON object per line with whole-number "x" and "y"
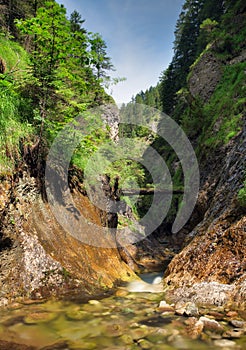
{"x": 82, "y": 346}
{"x": 121, "y": 293}
{"x": 211, "y": 324}
{"x": 165, "y": 307}
{"x": 194, "y": 327}
{"x": 232, "y": 313}
{"x": 186, "y": 309}
{"x": 126, "y": 339}
{"x": 224, "y": 343}
{"x": 145, "y": 344}
{"x": 60, "y": 345}
{"x": 238, "y": 324}
{"x": 77, "y": 315}
{"x": 139, "y": 333}
{"x": 158, "y": 335}
{"x": 8, "y": 345}
{"x": 39, "y": 317}
{"x": 235, "y": 333}
{"x": 94, "y": 302}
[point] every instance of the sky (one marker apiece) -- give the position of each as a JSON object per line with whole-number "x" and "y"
{"x": 139, "y": 35}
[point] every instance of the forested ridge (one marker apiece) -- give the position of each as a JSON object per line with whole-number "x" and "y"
{"x": 203, "y": 88}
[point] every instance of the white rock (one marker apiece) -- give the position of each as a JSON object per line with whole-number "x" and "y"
{"x": 163, "y": 303}
{"x": 223, "y": 343}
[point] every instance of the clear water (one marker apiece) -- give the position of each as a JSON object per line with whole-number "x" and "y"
{"x": 122, "y": 321}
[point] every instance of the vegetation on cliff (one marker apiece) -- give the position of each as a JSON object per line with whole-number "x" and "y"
{"x": 203, "y": 88}
{"x": 52, "y": 69}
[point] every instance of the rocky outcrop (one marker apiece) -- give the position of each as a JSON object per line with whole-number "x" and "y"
{"x": 39, "y": 258}
{"x": 110, "y": 117}
{"x": 205, "y": 76}
{"x": 216, "y": 250}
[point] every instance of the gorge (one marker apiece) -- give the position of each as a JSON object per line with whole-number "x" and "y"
{"x": 61, "y": 291}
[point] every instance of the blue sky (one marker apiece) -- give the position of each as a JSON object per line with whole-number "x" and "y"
{"x": 139, "y": 35}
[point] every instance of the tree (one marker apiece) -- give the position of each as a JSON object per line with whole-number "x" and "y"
{"x": 100, "y": 62}
{"x": 50, "y": 34}
{"x": 76, "y": 22}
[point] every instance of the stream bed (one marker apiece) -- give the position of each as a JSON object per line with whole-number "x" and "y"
{"x": 125, "y": 320}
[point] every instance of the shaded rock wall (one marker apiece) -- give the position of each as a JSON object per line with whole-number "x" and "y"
{"x": 205, "y": 76}
{"x": 215, "y": 249}
{"x": 38, "y": 258}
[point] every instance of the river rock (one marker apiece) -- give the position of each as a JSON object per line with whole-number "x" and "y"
{"x": 77, "y": 315}
{"x": 238, "y": 324}
{"x": 60, "y": 345}
{"x": 186, "y": 309}
{"x": 145, "y": 344}
{"x": 224, "y": 343}
{"x": 94, "y": 302}
{"x": 235, "y": 333}
{"x": 194, "y": 327}
{"x": 165, "y": 307}
{"x": 39, "y": 317}
{"x": 126, "y": 339}
{"x": 211, "y": 324}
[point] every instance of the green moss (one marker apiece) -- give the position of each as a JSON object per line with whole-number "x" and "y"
{"x": 242, "y": 195}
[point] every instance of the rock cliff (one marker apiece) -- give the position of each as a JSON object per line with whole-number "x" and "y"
{"x": 212, "y": 267}
{"x": 39, "y": 258}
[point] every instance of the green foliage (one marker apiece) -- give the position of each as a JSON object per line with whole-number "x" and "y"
{"x": 88, "y": 146}
{"x": 12, "y": 127}
{"x": 54, "y": 82}
{"x": 242, "y": 195}
{"x": 223, "y": 114}
{"x": 16, "y": 9}
{"x": 14, "y": 56}
{"x": 192, "y": 120}
{"x": 208, "y": 24}
{"x": 62, "y": 82}
{"x": 100, "y": 62}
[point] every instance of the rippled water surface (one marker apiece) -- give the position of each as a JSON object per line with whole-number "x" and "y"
{"x": 123, "y": 321}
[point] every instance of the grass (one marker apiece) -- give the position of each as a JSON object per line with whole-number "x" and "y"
{"x": 13, "y": 109}
{"x": 14, "y": 56}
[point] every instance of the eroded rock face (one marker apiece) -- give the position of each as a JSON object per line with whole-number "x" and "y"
{"x": 216, "y": 252}
{"x": 205, "y": 76}
{"x": 41, "y": 259}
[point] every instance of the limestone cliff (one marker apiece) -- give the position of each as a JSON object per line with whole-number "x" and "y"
{"x": 39, "y": 258}
{"x": 212, "y": 267}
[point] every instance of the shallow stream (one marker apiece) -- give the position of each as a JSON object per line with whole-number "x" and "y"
{"x": 126, "y": 320}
